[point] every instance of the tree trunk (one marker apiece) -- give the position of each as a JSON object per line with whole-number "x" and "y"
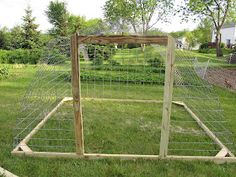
{"x": 218, "y": 42}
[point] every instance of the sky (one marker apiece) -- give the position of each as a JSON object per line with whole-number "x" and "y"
{"x": 12, "y": 11}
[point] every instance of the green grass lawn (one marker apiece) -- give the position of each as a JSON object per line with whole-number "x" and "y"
{"x": 109, "y": 128}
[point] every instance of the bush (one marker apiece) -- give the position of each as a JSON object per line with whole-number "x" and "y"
{"x": 4, "y": 72}
{"x": 209, "y": 45}
{"x": 3, "y": 56}
{"x": 222, "y": 45}
{"x": 155, "y": 62}
{"x": 113, "y": 63}
{"x": 101, "y": 52}
{"x": 97, "y": 61}
{"x": 20, "y": 56}
{"x": 54, "y": 56}
{"x": 132, "y": 46}
{"x": 225, "y": 51}
{"x": 204, "y": 46}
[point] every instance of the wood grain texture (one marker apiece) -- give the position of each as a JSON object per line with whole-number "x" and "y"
{"x": 6, "y": 173}
{"x": 222, "y": 153}
{"x": 120, "y": 39}
{"x": 218, "y": 160}
{"x": 76, "y": 92}
{"x": 168, "y": 90}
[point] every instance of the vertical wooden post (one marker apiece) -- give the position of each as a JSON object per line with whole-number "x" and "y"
{"x": 168, "y": 90}
{"x": 76, "y": 91}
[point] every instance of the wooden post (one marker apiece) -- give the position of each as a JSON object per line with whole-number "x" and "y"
{"x": 76, "y": 92}
{"x": 168, "y": 90}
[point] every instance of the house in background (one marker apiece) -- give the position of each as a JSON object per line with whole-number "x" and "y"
{"x": 181, "y": 43}
{"x": 228, "y": 34}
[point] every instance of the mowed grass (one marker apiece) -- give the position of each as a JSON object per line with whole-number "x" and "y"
{"x": 12, "y": 89}
{"x": 108, "y": 129}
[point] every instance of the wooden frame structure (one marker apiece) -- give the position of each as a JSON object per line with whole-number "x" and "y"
{"x": 224, "y": 155}
{"x": 6, "y": 173}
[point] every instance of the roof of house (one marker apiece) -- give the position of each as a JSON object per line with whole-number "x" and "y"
{"x": 229, "y": 25}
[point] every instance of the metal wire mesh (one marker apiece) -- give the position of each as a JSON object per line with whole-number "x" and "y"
{"x": 192, "y": 88}
{"x": 49, "y": 86}
{"x": 121, "y": 72}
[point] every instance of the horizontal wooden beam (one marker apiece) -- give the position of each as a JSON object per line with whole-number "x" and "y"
{"x": 126, "y": 156}
{"x": 6, "y": 173}
{"x": 123, "y": 100}
{"x": 218, "y": 160}
{"x": 121, "y": 39}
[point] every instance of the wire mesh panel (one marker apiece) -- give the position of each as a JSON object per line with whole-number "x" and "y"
{"x": 193, "y": 89}
{"x": 122, "y": 73}
{"x": 121, "y": 94}
{"x": 128, "y": 74}
{"x": 49, "y": 86}
{"x": 117, "y": 80}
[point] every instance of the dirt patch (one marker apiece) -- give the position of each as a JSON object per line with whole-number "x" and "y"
{"x": 223, "y": 77}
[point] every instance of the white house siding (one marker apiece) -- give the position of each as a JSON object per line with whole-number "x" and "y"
{"x": 227, "y": 34}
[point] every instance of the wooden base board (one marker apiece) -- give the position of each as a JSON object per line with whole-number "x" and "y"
{"x": 23, "y": 149}
{"x": 6, "y": 173}
{"x": 126, "y": 156}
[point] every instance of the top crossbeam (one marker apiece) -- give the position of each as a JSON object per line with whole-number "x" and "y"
{"x": 122, "y": 39}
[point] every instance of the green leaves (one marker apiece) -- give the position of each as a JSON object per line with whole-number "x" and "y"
{"x": 29, "y": 31}
{"x": 58, "y": 16}
{"x": 138, "y": 14}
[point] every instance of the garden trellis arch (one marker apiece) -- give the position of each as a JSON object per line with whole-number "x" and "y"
{"x": 173, "y": 75}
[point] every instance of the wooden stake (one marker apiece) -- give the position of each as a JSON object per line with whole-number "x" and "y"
{"x": 168, "y": 90}
{"x": 76, "y": 92}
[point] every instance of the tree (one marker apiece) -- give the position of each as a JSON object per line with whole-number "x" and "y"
{"x": 137, "y": 13}
{"x": 4, "y": 38}
{"x": 58, "y": 16}
{"x": 191, "y": 39}
{"x": 16, "y": 37}
{"x": 93, "y": 27}
{"x": 203, "y": 33}
{"x": 75, "y": 23}
{"x": 30, "y": 34}
{"x": 117, "y": 14}
{"x": 216, "y": 10}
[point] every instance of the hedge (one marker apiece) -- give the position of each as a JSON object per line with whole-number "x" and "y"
{"x": 20, "y": 56}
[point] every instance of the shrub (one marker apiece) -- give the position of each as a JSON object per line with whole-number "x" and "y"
{"x": 132, "y": 46}
{"x": 225, "y": 51}
{"x": 20, "y": 56}
{"x": 222, "y": 45}
{"x": 206, "y": 50}
{"x": 53, "y": 57}
{"x": 204, "y": 46}
{"x": 209, "y": 45}
{"x": 98, "y": 60}
{"x": 100, "y": 51}
{"x": 4, "y": 72}
{"x": 113, "y": 62}
{"x": 155, "y": 62}
{"x": 3, "y": 56}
